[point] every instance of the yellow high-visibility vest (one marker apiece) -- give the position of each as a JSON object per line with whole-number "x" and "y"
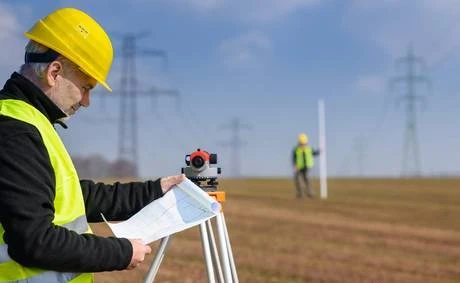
{"x": 68, "y": 202}
{"x": 304, "y": 157}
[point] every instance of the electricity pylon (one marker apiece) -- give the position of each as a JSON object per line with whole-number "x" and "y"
{"x": 411, "y": 155}
{"x": 360, "y": 147}
{"x": 235, "y": 143}
{"x": 128, "y": 120}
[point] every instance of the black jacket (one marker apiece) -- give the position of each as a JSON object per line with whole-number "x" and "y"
{"x": 27, "y": 189}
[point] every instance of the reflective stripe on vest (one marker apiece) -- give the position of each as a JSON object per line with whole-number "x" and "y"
{"x": 68, "y": 202}
{"x": 79, "y": 225}
{"x": 51, "y": 276}
{"x": 4, "y": 256}
{"x": 40, "y": 276}
{"x": 304, "y": 157}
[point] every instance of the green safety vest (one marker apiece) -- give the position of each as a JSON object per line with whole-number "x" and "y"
{"x": 304, "y": 157}
{"x": 68, "y": 202}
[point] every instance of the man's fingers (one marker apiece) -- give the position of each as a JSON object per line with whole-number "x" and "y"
{"x": 139, "y": 251}
{"x": 179, "y": 179}
{"x": 168, "y": 182}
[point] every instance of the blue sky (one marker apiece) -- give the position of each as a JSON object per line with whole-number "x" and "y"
{"x": 267, "y": 63}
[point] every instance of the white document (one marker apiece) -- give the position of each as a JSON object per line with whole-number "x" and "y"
{"x": 183, "y": 206}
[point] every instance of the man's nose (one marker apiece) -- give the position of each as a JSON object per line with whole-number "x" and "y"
{"x": 85, "y": 99}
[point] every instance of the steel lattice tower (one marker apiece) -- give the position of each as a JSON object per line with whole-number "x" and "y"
{"x": 411, "y": 153}
{"x": 360, "y": 147}
{"x": 128, "y": 120}
{"x": 235, "y": 125}
{"x": 127, "y": 139}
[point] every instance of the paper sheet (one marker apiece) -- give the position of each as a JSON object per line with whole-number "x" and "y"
{"x": 182, "y": 207}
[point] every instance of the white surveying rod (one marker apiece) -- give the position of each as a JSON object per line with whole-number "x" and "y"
{"x": 322, "y": 147}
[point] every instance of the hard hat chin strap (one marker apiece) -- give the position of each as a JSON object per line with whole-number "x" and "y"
{"x": 49, "y": 56}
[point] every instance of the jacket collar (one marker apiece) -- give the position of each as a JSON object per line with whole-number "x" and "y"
{"x": 19, "y": 87}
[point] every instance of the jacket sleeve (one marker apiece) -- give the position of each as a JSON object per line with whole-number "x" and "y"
{"x": 27, "y": 211}
{"x": 315, "y": 152}
{"x": 118, "y": 201}
{"x": 294, "y": 157}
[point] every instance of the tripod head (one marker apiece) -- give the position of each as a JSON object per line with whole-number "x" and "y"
{"x": 200, "y": 169}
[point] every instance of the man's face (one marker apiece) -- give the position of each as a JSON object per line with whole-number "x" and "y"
{"x": 72, "y": 90}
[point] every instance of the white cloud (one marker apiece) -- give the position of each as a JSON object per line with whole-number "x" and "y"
{"x": 370, "y": 85}
{"x": 432, "y": 26}
{"x": 11, "y": 39}
{"x": 271, "y": 10}
{"x": 252, "y": 11}
{"x": 371, "y": 4}
{"x": 245, "y": 50}
{"x": 203, "y": 5}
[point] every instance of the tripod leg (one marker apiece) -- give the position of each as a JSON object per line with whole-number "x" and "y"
{"x": 223, "y": 248}
{"x": 157, "y": 260}
{"x": 207, "y": 252}
{"x": 230, "y": 252}
{"x": 215, "y": 254}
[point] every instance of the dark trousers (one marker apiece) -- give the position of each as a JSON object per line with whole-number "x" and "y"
{"x": 302, "y": 174}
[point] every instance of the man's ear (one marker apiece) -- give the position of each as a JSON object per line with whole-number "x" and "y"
{"x": 54, "y": 69}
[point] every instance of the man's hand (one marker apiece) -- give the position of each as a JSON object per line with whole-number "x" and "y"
{"x": 139, "y": 252}
{"x": 168, "y": 182}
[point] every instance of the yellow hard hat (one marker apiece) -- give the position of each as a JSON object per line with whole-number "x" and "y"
{"x": 303, "y": 139}
{"x": 79, "y": 38}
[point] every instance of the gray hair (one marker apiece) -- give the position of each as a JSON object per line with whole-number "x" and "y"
{"x": 39, "y": 69}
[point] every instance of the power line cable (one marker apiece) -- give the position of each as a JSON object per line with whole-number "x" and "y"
{"x": 436, "y": 44}
{"x": 366, "y": 137}
{"x": 176, "y": 140}
{"x": 188, "y": 118}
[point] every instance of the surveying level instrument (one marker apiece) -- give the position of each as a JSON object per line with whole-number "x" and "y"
{"x": 200, "y": 169}
{"x": 218, "y": 259}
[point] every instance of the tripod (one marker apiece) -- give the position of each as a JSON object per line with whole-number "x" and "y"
{"x": 221, "y": 265}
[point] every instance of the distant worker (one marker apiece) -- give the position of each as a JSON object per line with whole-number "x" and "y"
{"x": 302, "y": 161}
{"x": 44, "y": 207}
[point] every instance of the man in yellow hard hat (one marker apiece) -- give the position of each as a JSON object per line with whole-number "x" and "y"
{"x": 44, "y": 207}
{"x": 302, "y": 161}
